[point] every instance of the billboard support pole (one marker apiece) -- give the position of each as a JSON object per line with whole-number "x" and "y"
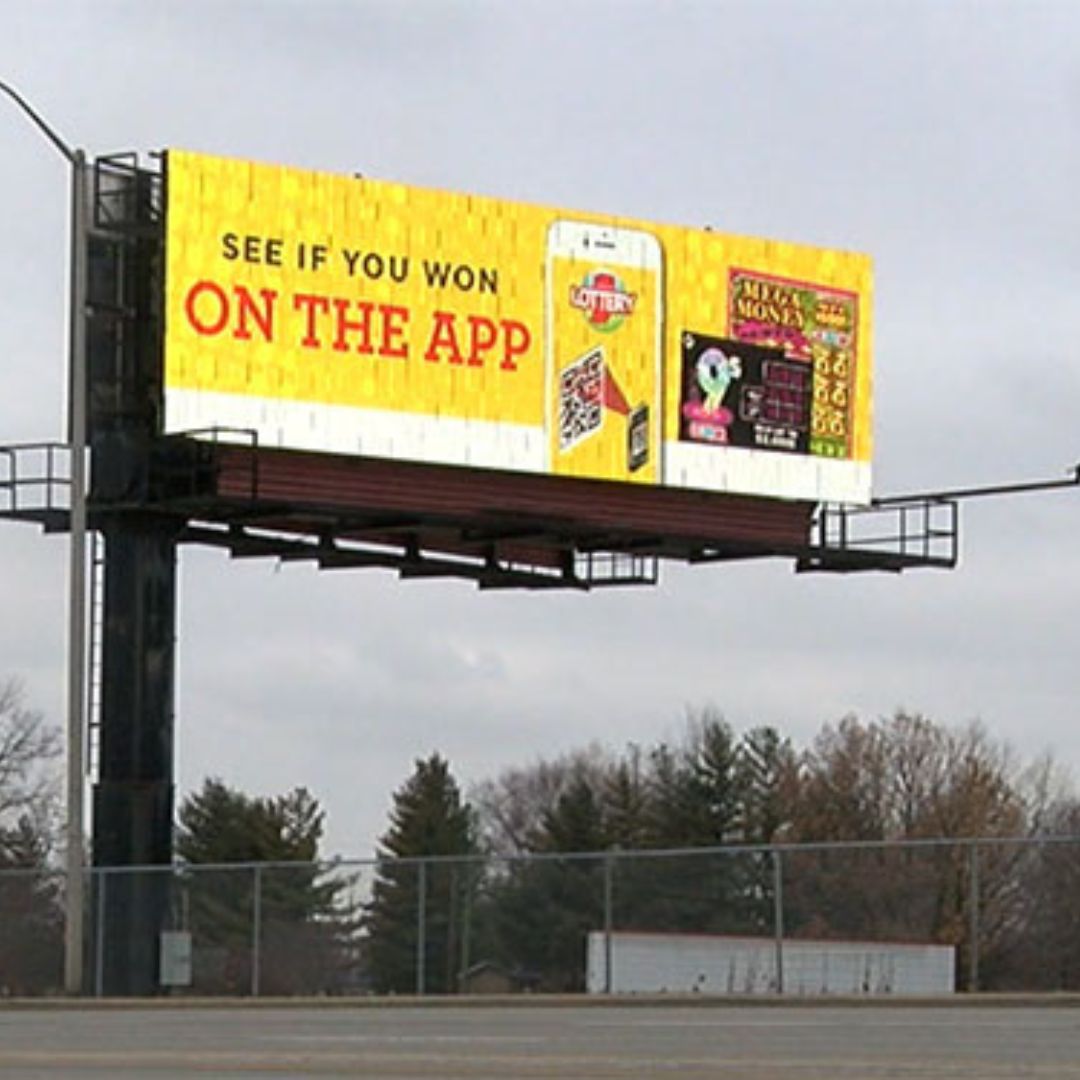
{"x": 76, "y": 674}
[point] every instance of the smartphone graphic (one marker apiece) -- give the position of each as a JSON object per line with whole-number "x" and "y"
{"x": 604, "y": 348}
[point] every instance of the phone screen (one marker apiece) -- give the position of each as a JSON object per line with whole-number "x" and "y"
{"x": 603, "y": 366}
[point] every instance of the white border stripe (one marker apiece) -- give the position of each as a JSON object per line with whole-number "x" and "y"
{"x": 487, "y": 444}
{"x": 345, "y": 429}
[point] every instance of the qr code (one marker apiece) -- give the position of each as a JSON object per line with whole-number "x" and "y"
{"x": 581, "y": 399}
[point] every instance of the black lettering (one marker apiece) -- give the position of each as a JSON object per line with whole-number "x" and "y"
{"x": 462, "y": 276}
{"x": 436, "y": 273}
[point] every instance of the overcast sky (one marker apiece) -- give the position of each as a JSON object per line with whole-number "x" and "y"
{"x": 941, "y": 139}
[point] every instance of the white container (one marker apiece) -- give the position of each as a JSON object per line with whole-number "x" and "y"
{"x": 643, "y": 963}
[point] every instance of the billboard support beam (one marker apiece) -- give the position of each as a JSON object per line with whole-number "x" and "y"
{"x": 985, "y": 491}
{"x": 133, "y": 799}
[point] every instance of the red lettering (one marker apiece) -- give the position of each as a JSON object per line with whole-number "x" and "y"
{"x": 362, "y": 326}
{"x": 483, "y": 334}
{"x": 395, "y": 320}
{"x": 311, "y": 304}
{"x": 517, "y": 341}
{"x": 247, "y": 309}
{"x": 443, "y": 336}
{"x": 211, "y": 289}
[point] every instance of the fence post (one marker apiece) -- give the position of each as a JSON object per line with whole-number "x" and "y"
{"x": 256, "y": 931}
{"x": 99, "y": 932}
{"x": 421, "y": 927}
{"x": 466, "y": 926}
{"x": 609, "y": 890}
{"x": 778, "y": 916}
{"x": 973, "y": 932}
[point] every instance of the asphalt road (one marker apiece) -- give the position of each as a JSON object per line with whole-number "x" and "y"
{"x": 557, "y": 1041}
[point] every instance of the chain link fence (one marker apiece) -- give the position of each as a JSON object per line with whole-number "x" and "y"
{"x": 716, "y": 920}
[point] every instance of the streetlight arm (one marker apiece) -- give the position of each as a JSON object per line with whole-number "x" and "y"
{"x": 74, "y": 856}
{"x": 39, "y": 122}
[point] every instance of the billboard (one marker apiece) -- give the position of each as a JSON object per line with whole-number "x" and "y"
{"x": 357, "y": 316}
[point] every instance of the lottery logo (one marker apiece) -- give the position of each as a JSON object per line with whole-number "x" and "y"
{"x": 604, "y": 300}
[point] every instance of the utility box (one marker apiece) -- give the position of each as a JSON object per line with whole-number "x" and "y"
{"x": 175, "y": 958}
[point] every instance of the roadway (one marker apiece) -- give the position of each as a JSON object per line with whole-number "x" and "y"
{"x": 554, "y": 1040}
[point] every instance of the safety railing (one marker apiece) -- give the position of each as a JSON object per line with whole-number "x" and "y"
{"x": 35, "y": 482}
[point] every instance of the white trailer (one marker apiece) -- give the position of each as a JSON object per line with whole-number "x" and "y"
{"x": 646, "y": 963}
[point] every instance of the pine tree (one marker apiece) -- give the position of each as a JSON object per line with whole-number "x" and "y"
{"x": 767, "y": 778}
{"x": 695, "y": 795}
{"x": 696, "y": 801}
{"x": 304, "y": 925}
{"x": 428, "y": 818}
{"x": 625, "y": 803}
{"x": 545, "y": 907}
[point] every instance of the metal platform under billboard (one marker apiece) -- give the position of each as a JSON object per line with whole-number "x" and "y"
{"x": 352, "y": 316}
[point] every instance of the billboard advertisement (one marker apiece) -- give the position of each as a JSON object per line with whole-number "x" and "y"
{"x": 356, "y": 316}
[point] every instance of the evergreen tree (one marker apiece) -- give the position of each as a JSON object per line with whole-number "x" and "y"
{"x": 545, "y": 907}
{"x": 767, "y": 777}
{"x": 695, "y": 788}
{"x": 428, "y": 818}
{"x": 625, "y": 803}
{"x": 696, "y": 801}
{"x": 575, "y": 823}
{"x": 303, "y": 926}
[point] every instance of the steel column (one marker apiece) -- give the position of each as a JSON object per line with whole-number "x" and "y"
{"x": 133, "y": 800}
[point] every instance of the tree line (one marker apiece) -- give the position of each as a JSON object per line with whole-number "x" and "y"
{"x": 706, "y": 813}
{"x": 306, "y": 923}
{"x": 506, "y": 885}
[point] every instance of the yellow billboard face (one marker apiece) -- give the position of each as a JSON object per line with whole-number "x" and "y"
{"x": 354, "y": 316}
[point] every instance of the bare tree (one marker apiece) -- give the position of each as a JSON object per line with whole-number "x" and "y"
{"x": 511, "y": 808}
{"x": 29, "y": 748}
{"x": 31, "y": 925}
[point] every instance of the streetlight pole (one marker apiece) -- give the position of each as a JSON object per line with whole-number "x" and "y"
{"x": 77, "y": 436}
